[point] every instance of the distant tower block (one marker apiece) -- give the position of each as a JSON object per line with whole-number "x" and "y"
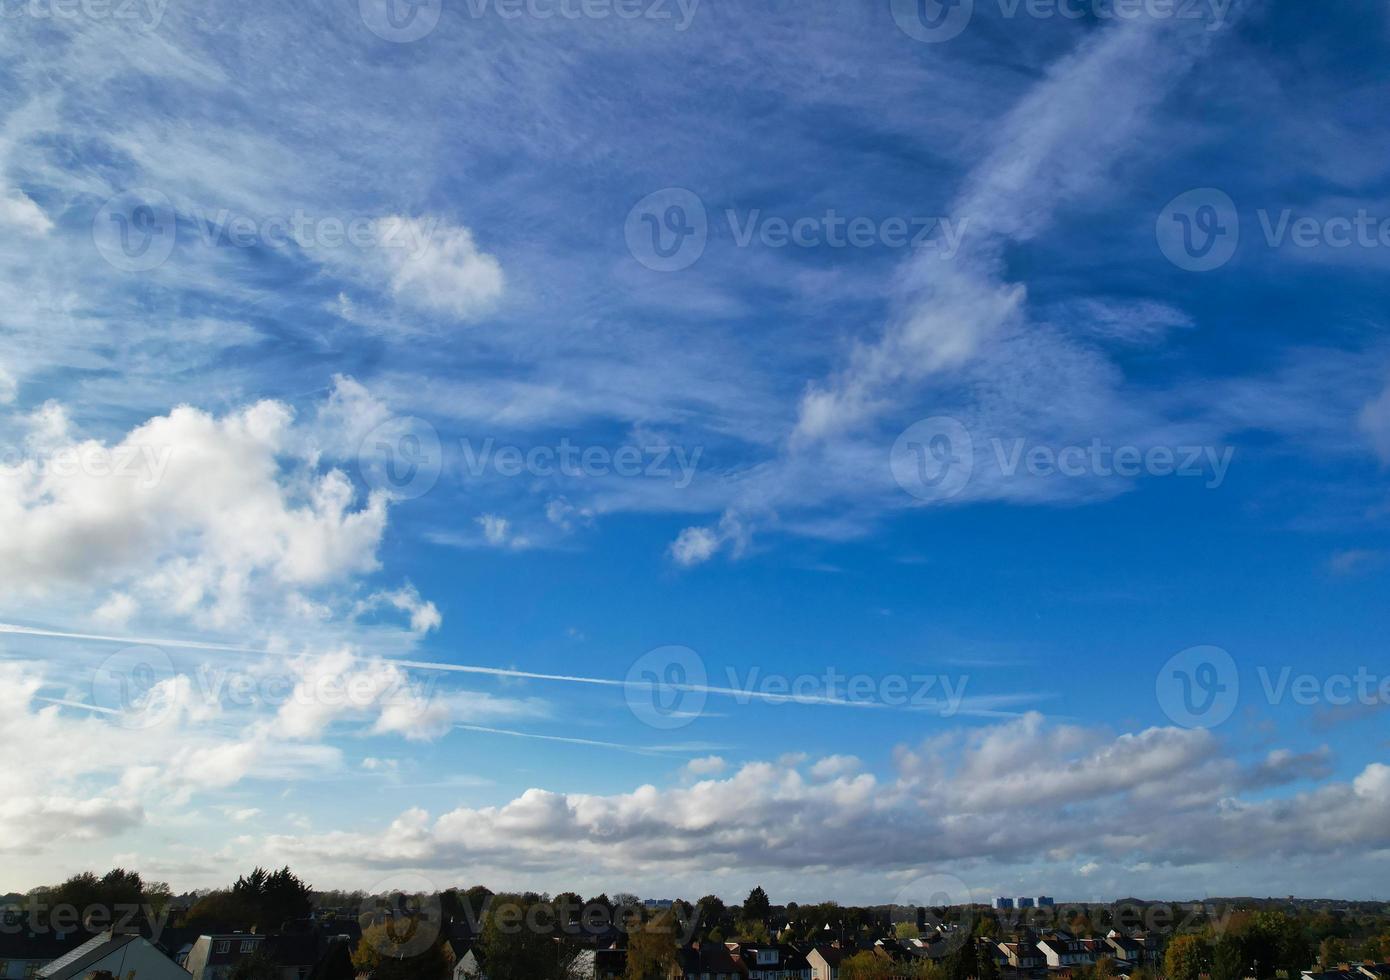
{"x": 1003, "y": 903}
{"x": 1025, "y": 903}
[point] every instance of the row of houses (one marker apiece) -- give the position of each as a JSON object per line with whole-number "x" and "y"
{"x": 1059, "y": 949}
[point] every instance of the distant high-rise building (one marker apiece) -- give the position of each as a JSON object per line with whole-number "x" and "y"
{"x": 1025, "y": 903}
{"x": 1003, "y": 903}
{"x": 1045, "y": 901}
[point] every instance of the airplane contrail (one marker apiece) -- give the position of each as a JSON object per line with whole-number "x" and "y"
{"x": 985, "y": 705}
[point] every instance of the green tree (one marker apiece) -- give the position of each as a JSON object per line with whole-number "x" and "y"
{"x": 1228, "y": 959}
{"x": 757, "y": 907}
{"x": 1186, "y": 958}
{"x": 866, "y": 966}
{"x": 258, "y": 966}
{"x": 513, "y": 948}
{"x": 989, "y": 966}
{"x": 652, "y": 949}
{"x": 1331, "y": 951}
{"x": 712, "y": 914}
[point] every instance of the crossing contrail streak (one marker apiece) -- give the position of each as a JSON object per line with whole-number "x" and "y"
{"x": 984, "y": 706}
{"x": 503, "y": 672}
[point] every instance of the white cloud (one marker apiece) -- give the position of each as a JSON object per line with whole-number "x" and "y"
{"x": 188, "y": 513}
{"x": 498, "y": 532}
{"x": 710, "y": 765}
{"x": 697, "y": 545}
{"x": 424, "y": 615}
{"x": 1375, "y": 423}
{"x": 1014, "y": 792}
{"x": 18, "y": 211}
{"x": 438, "y": 267}
{"x": 834, "y": 766}
{"x": 117, "y": 610}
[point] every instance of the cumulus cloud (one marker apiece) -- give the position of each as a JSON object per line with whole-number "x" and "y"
{"x": 189, "y": 512}
{"x": 710, "y": 765}
{"x": 697, "y": 545}
{"x": 424, "y": 615}
{"x": 1008, "y": 793}
{"x": 438, "y": 267}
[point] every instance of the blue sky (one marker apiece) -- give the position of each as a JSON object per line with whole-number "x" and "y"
{"x": 919, "y": 382}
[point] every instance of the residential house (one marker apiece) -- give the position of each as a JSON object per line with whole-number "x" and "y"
{"x": 770, "y": 962}
{"x": 1022, "y": 956}
{"x": 468, "y": 963}
{"x": 706, "y": 961}
{"x": 1059, "y": 952}
{"x": 825, "y": 962}
{"x": 24, "y": 950}
{"x": 1124, "y": 948}
{"x": 215, "y": 957}
{"x": 116, "y": 954}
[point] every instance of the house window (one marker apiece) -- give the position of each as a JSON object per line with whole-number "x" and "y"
{"x": 248, "y": 945}
{"x": 222, "y": 946}
{"x": 4, "y": 968}
{"x": 32, "y": 969}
